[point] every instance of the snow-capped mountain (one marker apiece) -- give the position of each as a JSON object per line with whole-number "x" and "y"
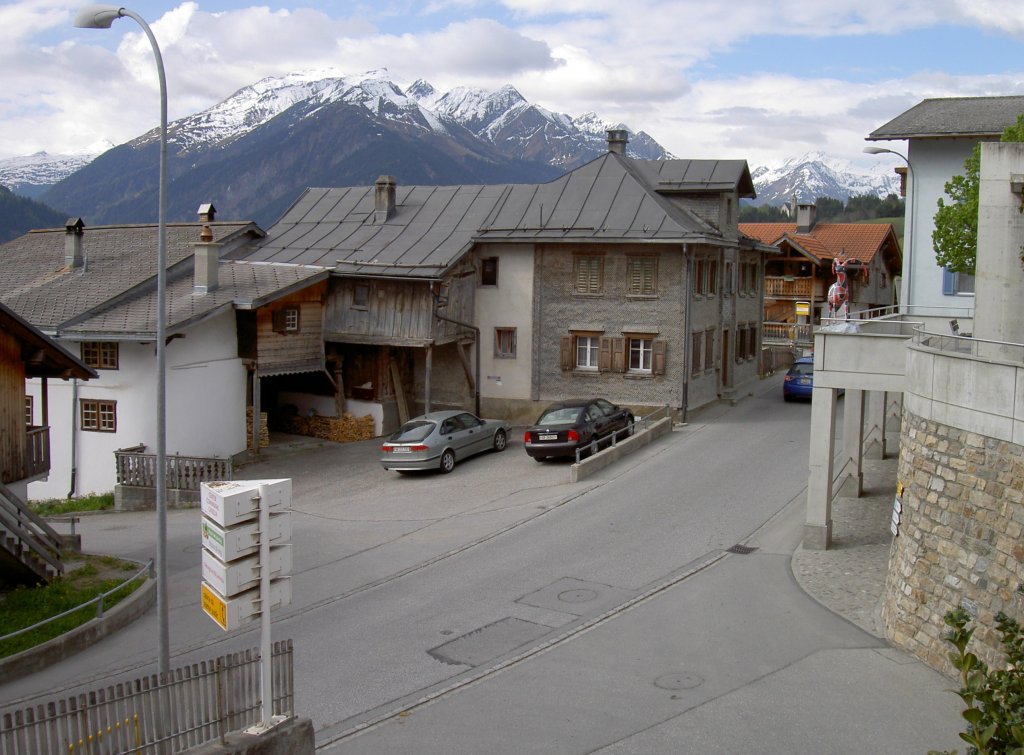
{"x": 816, "y": 175}
{"x": 31, "y": 175}
{"x": 253, "y": 153}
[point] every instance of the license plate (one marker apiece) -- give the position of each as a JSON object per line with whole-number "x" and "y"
{"x": 804, "y": 381}
{"x": 401, "y": 450}
{"x": 547, "y": 436}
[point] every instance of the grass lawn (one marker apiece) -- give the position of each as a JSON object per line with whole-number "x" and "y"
{"x": 85, "y": 578}
{"x": 56, "y": 506}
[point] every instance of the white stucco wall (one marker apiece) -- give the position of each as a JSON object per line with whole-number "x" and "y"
{"x": 507, "y": 305}
{"x": 205, "y": 407}
{"x": 934, "y": 162}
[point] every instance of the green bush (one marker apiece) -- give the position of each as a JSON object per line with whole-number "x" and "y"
{"x": 994, "y": 698}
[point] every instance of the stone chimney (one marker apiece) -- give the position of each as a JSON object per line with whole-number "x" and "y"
{"x": 617, "y": 141}
{"x": 384, "y": 199}
{"x": 207, "y": 260}
{"x": 207, "y": 213}
{"x": 74, "y": 229}
{"x": 806, "y": 217}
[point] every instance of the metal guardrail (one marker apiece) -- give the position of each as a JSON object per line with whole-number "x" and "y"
{"x": 982, "y": 348}
{"x": 187, "y": 707}
{"x": 98, "y": 600}
{"x": 611, "y": 440}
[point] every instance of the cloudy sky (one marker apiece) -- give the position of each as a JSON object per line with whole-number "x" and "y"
{"x": 762, "y": 80}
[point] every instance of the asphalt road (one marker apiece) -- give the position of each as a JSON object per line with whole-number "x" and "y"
{"x": 501, "y": 608}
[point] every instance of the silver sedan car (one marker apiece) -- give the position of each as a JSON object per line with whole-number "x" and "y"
{"x": 438, "y": 439}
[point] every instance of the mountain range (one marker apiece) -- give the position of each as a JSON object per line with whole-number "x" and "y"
{"x": 252, "y": 154}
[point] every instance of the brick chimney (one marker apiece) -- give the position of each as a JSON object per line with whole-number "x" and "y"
{"x": 806, "y": 217}
{"x": 207, "y": 213}
{"x": 617, "y": 141}
{"x": 74, "y": 229}
{"x": 207, "y": 260}
{"x": 383, "y": 199}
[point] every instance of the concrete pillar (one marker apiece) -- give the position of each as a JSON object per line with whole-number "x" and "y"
{"x": 818, "y": 525}
{"x": 999, "y": 277}
{"x": 874, "y": 425}
{"x": 851, "y": 485}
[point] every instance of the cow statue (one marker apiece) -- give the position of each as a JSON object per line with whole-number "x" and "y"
{"x": 838, "y": 292}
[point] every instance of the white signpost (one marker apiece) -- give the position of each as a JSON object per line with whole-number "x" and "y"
{"x": 246, "y": 561}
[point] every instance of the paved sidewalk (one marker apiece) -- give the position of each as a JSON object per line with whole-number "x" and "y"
{"x": 849, "y": 577}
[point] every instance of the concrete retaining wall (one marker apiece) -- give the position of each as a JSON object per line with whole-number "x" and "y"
{"x": 624, "y": 447}
{"x": 42, "y": 656}
{"x": 291, "y": 737}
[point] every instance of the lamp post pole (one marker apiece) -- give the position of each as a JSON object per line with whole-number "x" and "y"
{"x": 101, "y": 17}
{"x": 910, "y": 239}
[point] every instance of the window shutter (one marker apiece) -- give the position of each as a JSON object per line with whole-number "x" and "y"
{"x": 565, "y": 352}
{"x": 278, "y": 321}
{"x": 604, "y": 355}
{"x": 659, "y": 346}
{"x": 618, "y": 354}
{"x": 647, "y": 283}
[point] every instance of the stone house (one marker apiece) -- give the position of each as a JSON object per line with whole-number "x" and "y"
{"x": 624, "y": 278}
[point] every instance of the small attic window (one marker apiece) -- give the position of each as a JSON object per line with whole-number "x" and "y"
{"x": 286, "y": 320}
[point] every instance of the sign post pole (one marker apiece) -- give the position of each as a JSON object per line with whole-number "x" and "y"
{"x": 266, "y": 679}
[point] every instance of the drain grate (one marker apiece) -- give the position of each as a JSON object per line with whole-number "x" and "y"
{"x": 742, "y": 550}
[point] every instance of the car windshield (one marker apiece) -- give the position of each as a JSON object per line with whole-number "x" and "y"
{"x": 412, "y": 432}
{"x": 563, "y": 415}
{"x": 802, "y": 368}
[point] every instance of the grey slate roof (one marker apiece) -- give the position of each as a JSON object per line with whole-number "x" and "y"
{"x": 243, "y": 285}
{"x": 611, "y": 198}
{"x": 953, "y": 117}
{"x": 35, "y": 283}
{"x": 113, "y": 295}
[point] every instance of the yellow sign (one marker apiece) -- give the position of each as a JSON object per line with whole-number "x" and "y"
{"x": 214, "y": 606}
{"x": 803, "y": 308}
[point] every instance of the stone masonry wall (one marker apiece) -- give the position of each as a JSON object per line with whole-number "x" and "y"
{"x": 959, "y": 542}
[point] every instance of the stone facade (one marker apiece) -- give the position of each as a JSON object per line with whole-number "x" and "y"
{"x": 959, "y": 542}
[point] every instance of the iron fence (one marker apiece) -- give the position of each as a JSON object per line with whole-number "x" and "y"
{"x": 190, "y": 706}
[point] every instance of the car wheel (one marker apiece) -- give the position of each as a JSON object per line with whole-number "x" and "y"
{"x": 787, "y": 399}
{"x": 447, "y": 461}
{"x": 500, "y": 440}
{"x": 538, "y": 458}
{"x": 630, "y": 427}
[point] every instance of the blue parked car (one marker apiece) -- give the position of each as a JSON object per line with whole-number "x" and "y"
{"x": 799, "y": 381}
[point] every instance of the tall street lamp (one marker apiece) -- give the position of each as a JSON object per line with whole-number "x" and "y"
{"x": 101, "y": 17}
{"x": 909, "y": 238}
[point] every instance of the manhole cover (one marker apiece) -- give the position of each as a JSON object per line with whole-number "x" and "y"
{"x": 742, "y": 550}
{"x": 678, "y": 680}
{"x": 577, "y": 596}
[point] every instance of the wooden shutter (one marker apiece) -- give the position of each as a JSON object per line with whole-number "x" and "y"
{"x": 658, "y": 366}
{"x": 604, "y": 355}
{"x": 278, "y": 321}
{"x": 565, "y": 355}
{"x": 618, "y": 354}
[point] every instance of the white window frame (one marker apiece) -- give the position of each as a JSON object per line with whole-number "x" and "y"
{"x": 643, "y": 349}
{"x": 590, "y": 348}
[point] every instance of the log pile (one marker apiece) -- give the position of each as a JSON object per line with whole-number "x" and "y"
{"x": 264, "y": 430}
{"x": 344, "y": 430}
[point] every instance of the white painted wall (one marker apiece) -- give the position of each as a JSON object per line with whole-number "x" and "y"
{"x": 507, "y": 305}
{"x": 205, "y": 407}
{"x": 934, "y": 162}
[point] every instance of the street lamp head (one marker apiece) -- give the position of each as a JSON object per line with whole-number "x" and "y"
{"x": 98, "y": 16}
{"x": 876, "y": 150}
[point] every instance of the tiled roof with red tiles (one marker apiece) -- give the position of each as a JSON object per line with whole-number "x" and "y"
{"x": 826, "y": 241}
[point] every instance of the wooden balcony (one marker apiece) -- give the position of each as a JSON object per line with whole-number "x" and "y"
{"x": 789, "y": 287}
{"x": 29, "y": 462}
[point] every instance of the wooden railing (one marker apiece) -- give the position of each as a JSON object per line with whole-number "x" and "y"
{"x": 137, "y": 469}
{"x": 189, "y": 706}
{"x": 791, "y": 288}
{"x": 787, "y": 333}
{"x": 28, "y": 537}
{"x": 37, "y": 451}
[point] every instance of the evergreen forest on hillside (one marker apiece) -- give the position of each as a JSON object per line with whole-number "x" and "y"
{"x": 19, "y": 215}
{"x": 857, "y": 208}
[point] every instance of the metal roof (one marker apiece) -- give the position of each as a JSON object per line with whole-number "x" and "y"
{"x": 611, "y": 198}
{"x": 952, "y": 117}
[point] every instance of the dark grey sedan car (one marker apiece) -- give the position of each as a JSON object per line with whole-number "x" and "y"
{"x": 438, "y": 439}
{"x": 576, "y": 424}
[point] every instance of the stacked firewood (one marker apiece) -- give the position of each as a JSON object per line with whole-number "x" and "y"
{"x": 264, "y": 430}
{"x": 344, "y": 430}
